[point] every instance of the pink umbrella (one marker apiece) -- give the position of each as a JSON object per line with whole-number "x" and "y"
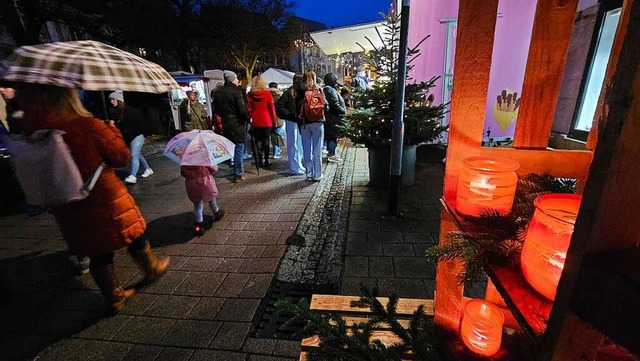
{"x": 199, "y": 148}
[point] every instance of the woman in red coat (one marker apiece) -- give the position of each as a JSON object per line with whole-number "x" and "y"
{"x": 108, "y": 219}
{"x": 263, "y": 116}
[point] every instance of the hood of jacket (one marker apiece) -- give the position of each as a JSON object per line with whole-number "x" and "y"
{"x": 331, "y": 80}
{"x": 258, "y": 96}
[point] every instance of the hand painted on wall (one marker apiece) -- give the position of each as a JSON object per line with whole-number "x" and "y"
{"x": 506, "y": 108}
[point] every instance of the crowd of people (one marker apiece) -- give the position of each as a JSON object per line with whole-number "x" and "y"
{"x": 308, "y": 114}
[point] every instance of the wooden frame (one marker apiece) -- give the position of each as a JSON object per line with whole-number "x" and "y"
{"x": 603, "y": 224}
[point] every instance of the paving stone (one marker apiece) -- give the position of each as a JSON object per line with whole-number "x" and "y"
{"x": 381, "y": 267}
{"x": 263, "y": 238}
{"x": 251, "y": 217}
{"x": 175, "y": 249}
{"x": 256, "y": 286}
{"x": 256, "y": 226}
{"x": 274, "y": 251}
{"x": 231, "y": 336}
{"x": 105, "y": 328}
{"x": 79, "y": 350}
{"x": 270, "y": 358}
{"x": 230, "y": 265}
{"x": 363, "y": 226}
{"x": 200, "y": 250}
{"x": 259, "y": 265}
{"x": 253, "y": 251}
{"x": 226, "y": 251}
{"x": 418, "y": 237}
{"x": 200, "y": 284}
{"x": 214, "y": 236}
{"x": 290, "y": 217}
{"x": 361, "y": 249}
{"x": 191, "y": 333}
{"x": 206, "y": 309}
{"x": 292, "y": 208}
{"x": 143, "y": 353}
{"x": 414, "y": 267}
{"x": 168, "y": 283}
{"x": 259, "y": 346}
{"x": 357, "y": 237}
{"x": 287, "y": 348}
{"x": 138, "y": 304}
{"x": 177, "y": 262}
{"x": 355, "y": 266}
{"x": 201, "y": 264}
{"x": 175, "y": 354}
{"x": 421, "y": 249}
{"x": 282, "y": 226}
{"x": 232, "y": 285}
{"x": 210, "y": 355}
{"x": 351, "y": 286}
{"x": 270, "y": 217}
{"x": 397, "y": 249}
{"x": 238, "y": 237}
{"x": 172, "y": 306}
{"x": 385, "y": 237}
{"x": 148, "y": 330}
{"x": 427, "y": 226}
{"x": 411, "y": 288}
{"x": 238, "y": 310}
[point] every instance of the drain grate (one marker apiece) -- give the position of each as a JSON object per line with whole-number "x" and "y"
{"x": 269, "y": 320}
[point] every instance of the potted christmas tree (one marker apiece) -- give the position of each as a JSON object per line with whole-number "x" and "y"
{"x": 371, "y": 122}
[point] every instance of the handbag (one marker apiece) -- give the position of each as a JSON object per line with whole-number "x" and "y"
{"x": 46, "y": 170}
{"x": 276, "y": 139}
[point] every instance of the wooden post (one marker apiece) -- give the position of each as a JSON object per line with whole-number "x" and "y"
{"x": 552, "y": 27}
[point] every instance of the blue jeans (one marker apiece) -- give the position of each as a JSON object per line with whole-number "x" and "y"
{"x": 312, "y": 139}
{"x": 198, "y": 209}
{"x": 280, "y": 131}
{"x": 238, "y": 159}
{"x": 331, "y": 147}
{"x": 294, "y": 147}
{"x": 136, "y": 155}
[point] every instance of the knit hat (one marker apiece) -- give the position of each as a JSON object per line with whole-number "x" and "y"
{"x": 117, "y": 95}
{"x": 229, "y": 76}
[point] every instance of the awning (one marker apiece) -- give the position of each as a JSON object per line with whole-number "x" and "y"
{"x": 346, "y": 39}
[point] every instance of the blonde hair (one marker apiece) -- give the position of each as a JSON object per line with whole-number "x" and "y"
{"x": 310, "y": 80}
{"x": 257, "y": 84}
{"x": 45, "y": 98}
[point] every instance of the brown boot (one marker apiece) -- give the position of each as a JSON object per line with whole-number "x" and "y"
{"x": 153, "y": 266}
{"x": 105, "y": 278}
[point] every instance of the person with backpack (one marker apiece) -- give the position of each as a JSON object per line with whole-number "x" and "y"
{"x": 131, "y": 123}
{"x": 312, "y": 104}
{"x": 286, "y": 109}
{"x": 334, "y": 117}
{"x": 108, "y": 219}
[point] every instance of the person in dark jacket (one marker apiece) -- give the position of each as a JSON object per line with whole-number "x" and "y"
{"x": 286, "y": 109}
{"x": 131, "y": 123}
{"x": 312, "y": 131}
{"x": 334, "y": 116}
{"x": 229, "y": 105}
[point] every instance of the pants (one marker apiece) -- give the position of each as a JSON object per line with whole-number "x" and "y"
{"x": 105, "y": 259}
{"x": 198, "y": 209}
{"x": 262, "y": 135}
{"x": 312, "y": 138}
{"x": 294, "y": 147}
{"x": 238, "y": 159}
{"x": 280, "y": 131}
{"x": 136, "y": 155}
{"x": 331, "y": 147}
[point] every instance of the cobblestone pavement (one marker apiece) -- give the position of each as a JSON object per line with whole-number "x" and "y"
{"x": 200, "y": 310}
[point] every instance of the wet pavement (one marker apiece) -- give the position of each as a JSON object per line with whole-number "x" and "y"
{"x": 205, "y": 307}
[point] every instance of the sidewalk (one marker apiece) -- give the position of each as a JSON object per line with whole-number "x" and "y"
{"x": 204, "y": 307}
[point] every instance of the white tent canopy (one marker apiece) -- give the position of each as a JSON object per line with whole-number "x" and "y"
{"x": 284, "y": 78}
{"x": 346, "y": 39}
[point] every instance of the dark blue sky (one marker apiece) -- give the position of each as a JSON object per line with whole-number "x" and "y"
{"x": 335, "y": 13}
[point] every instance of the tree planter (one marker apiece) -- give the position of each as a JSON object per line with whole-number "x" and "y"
{"x": 379, "y": 165}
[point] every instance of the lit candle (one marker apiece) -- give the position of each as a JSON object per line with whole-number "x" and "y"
{"x": 547, "y": 241}
{"x": 486, "y": 183}
{"x": 481, "y": 329}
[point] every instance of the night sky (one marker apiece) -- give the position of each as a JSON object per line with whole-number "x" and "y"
{"x": 336, "y": 13}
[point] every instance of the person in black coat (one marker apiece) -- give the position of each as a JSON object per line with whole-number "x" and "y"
{"x": 286, "y": 109}
{"x": 334, "y": 117}
{"x": 229, "y": 104}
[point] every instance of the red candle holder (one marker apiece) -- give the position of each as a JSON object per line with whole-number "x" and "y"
{"x": 486, "y": 183}
{"x": 481, "y": 329}
{"x": 547, "y": 241}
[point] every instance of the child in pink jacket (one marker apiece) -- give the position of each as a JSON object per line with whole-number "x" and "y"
{"x": 201, "y": 188}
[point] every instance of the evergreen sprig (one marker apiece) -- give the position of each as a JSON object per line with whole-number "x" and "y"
{"x": 494, "y": 238}
{"x": 354, "y": 343}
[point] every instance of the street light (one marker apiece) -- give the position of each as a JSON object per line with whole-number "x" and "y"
{"x": 301, "y": 44}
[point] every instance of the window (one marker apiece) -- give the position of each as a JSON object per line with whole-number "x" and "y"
{"x": 594, "y": 75}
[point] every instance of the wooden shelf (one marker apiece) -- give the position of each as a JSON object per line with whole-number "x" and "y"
{"x": 528, "y": 307}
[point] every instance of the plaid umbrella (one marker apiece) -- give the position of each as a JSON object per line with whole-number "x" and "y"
{"x": 87, "y": 64}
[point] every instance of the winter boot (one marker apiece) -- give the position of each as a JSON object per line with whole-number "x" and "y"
{"x": 153, "y": 266}
{"x": 105, "y": 278}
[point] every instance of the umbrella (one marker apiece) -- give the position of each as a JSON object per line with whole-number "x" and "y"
{"x": 87, "y": 64}
{"x": 200, "y": 148}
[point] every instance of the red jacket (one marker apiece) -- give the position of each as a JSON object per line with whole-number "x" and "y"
{"x": 108, "y": 219}
{"x": 261, "y": 109}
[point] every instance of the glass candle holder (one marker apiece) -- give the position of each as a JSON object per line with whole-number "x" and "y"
{"x": 486, "y": 183}
{"x": 545, "y": 246}
{"x": 481, "y": 329}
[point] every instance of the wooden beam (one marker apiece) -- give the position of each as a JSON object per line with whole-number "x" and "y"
{"x": 474, "y": 47}
{"x": 552, "y": 27}
{"x": 333, "y": 303}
